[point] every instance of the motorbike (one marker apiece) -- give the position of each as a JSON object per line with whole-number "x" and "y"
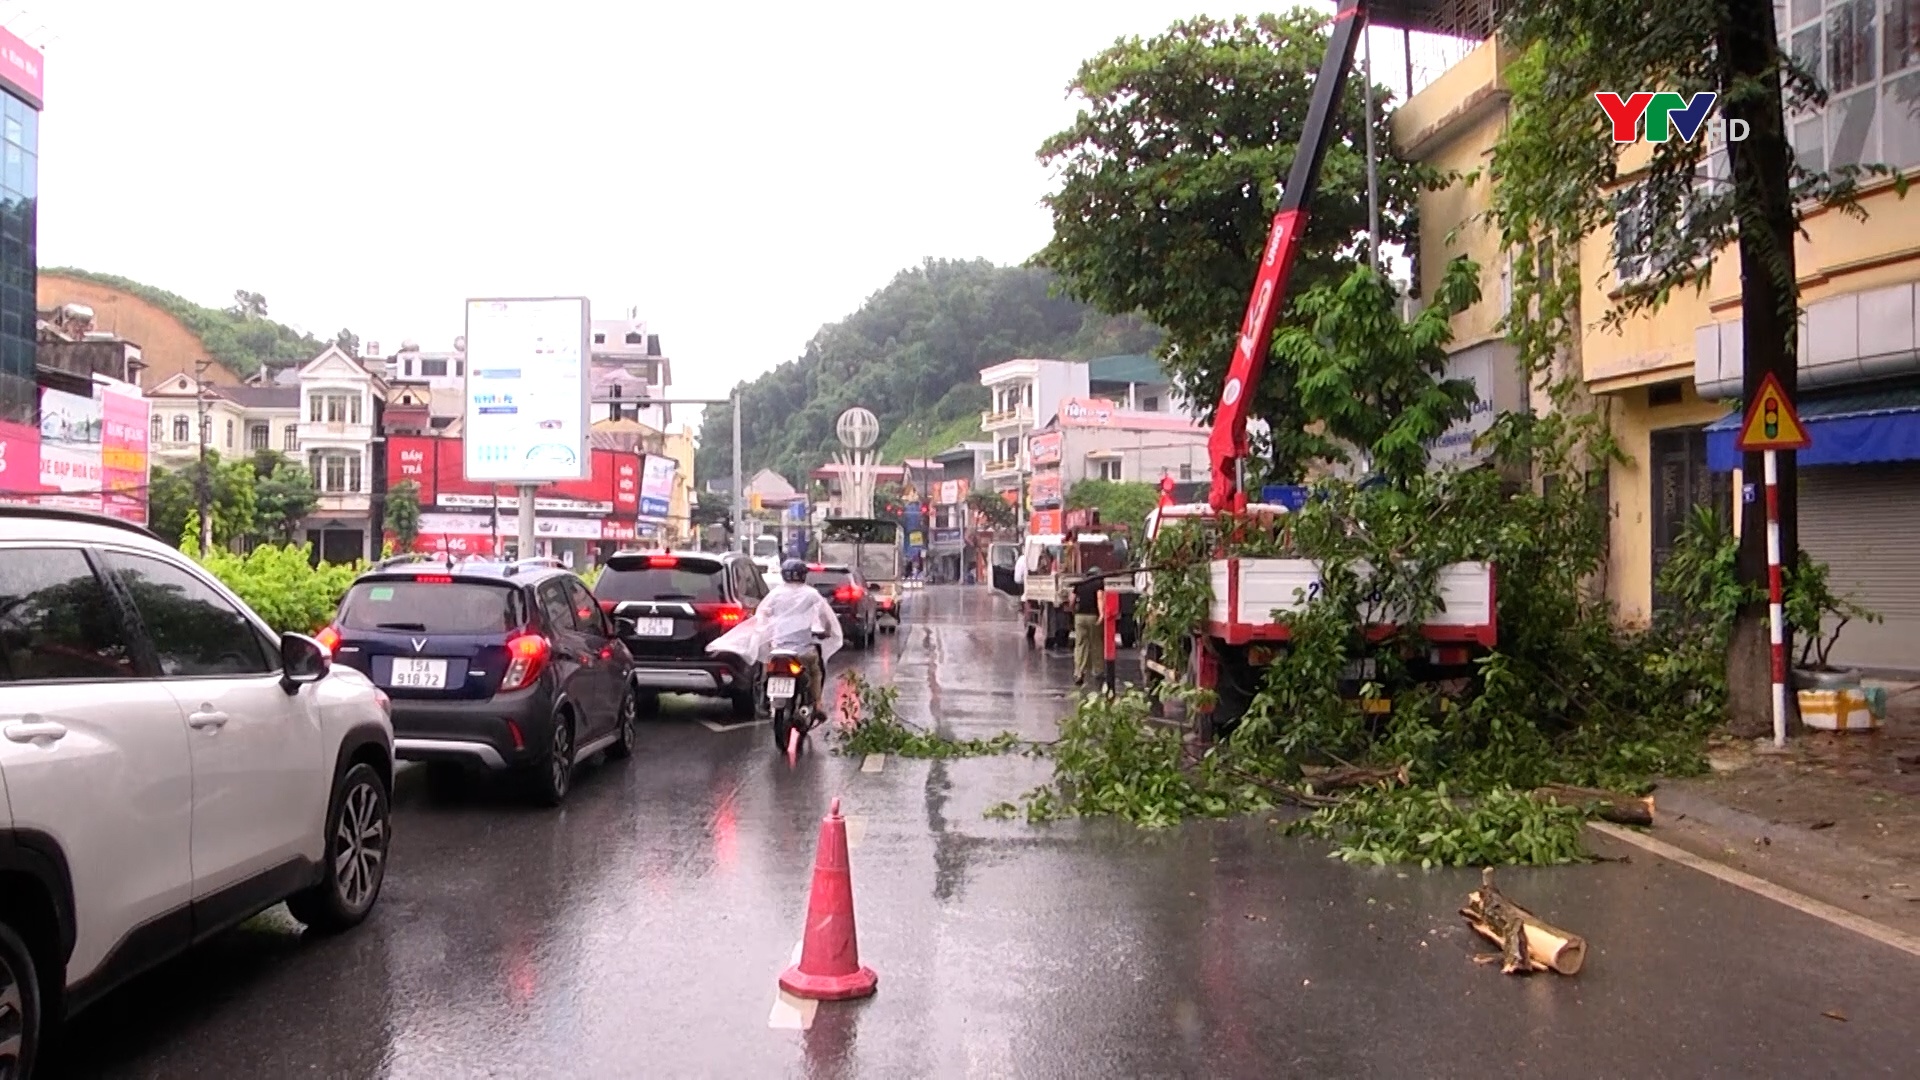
{"x": 789, "y": 695}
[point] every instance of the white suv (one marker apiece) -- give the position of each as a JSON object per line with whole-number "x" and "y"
{"x": 169, "y": 767}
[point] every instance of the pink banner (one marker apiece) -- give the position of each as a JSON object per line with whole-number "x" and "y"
{"x": 123, "y": 455}
{"x": 20, "y": 68}
{"x": 19, "y": 459}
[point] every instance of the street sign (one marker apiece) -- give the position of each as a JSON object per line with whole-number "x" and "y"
{"x": 1772, "y": 422}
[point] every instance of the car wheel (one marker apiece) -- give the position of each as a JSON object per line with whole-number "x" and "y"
{"x": 553, "y": 776}
{"x": 356, "y": 855}
{"x": 746, "y": 703}
{"x": 19, "y": 1005}
{"x": 628, "y": 731}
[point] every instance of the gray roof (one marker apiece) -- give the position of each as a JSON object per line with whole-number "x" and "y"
{"x": 262, "y": 397}
{"x": 1126, "y": 369}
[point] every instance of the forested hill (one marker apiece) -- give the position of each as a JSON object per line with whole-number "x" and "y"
{"x": 912, "y": 353}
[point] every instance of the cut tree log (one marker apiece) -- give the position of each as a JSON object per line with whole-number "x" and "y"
{"x": 1526, "y": 943}
{"x": 1354, "y": 776}
{"x": 1614, "y": 806}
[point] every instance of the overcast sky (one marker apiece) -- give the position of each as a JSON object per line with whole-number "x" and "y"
{"x": 740, "y": 175}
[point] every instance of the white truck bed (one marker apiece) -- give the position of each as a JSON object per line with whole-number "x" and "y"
{"x": 1248, "y": 592}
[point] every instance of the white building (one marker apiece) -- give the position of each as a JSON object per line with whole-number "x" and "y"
{"x": 1025, "y": 395}
{"x": 628, "y": 368}
{"x": 340, "y": 403}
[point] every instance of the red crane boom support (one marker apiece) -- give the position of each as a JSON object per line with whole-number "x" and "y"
{"x": 1227, "y": 445}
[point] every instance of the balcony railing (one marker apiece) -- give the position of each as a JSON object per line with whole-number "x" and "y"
{"x": 1001, "y": 467}
{"x": 989, "y": 420}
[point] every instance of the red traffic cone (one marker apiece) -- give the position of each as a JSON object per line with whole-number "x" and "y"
{"x": 829, "y": 967}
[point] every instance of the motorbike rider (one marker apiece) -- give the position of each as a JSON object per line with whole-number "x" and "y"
{"x": 796, "y": 615}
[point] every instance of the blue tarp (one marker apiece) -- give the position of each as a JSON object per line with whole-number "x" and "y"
{"x": 1847, "y": 429}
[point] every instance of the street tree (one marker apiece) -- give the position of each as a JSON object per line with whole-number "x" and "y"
{"x": 403, "y": 513}
{"x": 1560, "y": 177}
{"x": 992, "y": 510}
{"x": 1169, "y": 178}
{"x": 173, "y": 498}
{"x": 284, "y": 494}
{"x": 248, "y": 305}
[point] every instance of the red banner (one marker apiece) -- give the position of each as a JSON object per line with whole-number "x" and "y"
{"x": 19, "y": 459}
{"x": 438, "y": 467}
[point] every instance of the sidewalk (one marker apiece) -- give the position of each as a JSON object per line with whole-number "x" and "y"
{"x": 1833, "y": 816}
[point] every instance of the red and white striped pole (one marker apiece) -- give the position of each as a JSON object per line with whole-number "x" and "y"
{"x": 1776, "y": 611}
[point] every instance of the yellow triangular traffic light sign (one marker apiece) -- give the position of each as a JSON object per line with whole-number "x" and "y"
{"x": 1772, "y": 423}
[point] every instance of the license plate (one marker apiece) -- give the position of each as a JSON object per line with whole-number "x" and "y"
{"x": 779, "y": 687}
{"x": 653, "y": 627}
{"x": 419, "y": 674}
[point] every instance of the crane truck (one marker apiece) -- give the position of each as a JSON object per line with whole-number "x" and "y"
{"x": 1244, "y": 628}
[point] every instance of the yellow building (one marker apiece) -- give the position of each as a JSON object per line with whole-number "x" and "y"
{"x": 680, "y": 447}
{"x": 1670, "y": 380}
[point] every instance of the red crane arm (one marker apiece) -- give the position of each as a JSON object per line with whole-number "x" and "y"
{"x": 1227, "y": 445}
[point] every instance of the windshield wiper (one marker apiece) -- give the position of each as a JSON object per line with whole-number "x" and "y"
{"x": 400, "y": 626}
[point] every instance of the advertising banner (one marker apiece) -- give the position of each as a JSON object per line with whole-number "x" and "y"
{"x": 1043, "y": 491}
{"x": 1044, "y": 523}
{"x": 656, "y": 486}
{"x": 70, "y": 430}
{"x": 20, "y": 68}
{"x": 626, "y": 488}
{"x": 1044, "y": 449}
{"x": 124, "y": 453}
{"x": 1088, "y": 412}
{"x": 525, "y": 415}
{"x": 19, "y": 459}
{"x": 951, "y": 492}
{"x": 437, "y": 466}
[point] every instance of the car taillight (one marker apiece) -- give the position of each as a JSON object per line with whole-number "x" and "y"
{"x": 526, "y": 659}
{"x": 434, "y": 579}
{"x": 723, "y": 614}
{"x": 329, "y": 640}
{"x": 847, "y": 594}
{"x": 662, "y": 562}
{"x": 608, "y": 606}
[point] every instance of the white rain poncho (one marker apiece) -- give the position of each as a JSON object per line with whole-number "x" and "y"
{"x": 785, "y": 620}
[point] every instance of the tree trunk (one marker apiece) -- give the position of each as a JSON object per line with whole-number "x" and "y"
{"x": 1769, "y": 321}
{"x": 1621, "y": 809}
{"x": 1526, "y": 943}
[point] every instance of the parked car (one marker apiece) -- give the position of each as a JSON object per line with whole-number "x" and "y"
{"x": 670, "y": 605}
{"x": 847, "y": 593}
{"x": 507, "y": 667}
{"x": 169, "y": 766}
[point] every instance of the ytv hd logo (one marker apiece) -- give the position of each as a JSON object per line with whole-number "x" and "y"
{"x": 1667, "y": 112}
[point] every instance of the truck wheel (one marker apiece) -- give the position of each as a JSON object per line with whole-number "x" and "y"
{"x": 19, "y": 1005}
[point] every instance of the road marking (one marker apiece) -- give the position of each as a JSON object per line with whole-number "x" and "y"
{"x": 713, "y": 726}
{"x": 874, "y": 763}
{"x": 856, "y": 831}
{"x": 792, "y": 1013}
{"x": 1819, "y": 909}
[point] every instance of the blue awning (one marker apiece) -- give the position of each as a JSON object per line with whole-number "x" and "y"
{"x": 1859, "y": 428}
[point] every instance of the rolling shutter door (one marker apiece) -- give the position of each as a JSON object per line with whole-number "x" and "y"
{"x": 1864, "y": 523}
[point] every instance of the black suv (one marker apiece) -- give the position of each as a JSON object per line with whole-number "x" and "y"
{"x": 510, "y": 666}
{"x": 670, "y": 605}
{"x": 847, "y": 593}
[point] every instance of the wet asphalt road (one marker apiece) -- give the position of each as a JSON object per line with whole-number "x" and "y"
{"x": 638, "y": 932}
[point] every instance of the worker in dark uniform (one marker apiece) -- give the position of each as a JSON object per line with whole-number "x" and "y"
{"x": 1088, "y": 656}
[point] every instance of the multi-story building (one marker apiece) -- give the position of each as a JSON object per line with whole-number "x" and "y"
{"x": 20, "y": 100}
{"x": 1025, "y": 394}
{"x": 1670, "y": 381}
{"x": 627, "y": 369}
{"x": 1136, "y": 383}
{"x": 341, "y": 400}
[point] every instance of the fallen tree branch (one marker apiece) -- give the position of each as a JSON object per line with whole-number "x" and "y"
{"x": 1355, "y": 776}
{"x": 1621, "y": 809}
{"x": 1526, "y": 943}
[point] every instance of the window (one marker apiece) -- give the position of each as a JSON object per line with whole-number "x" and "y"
{"x": 354, "y": 409}
{"x": 155, "y": 430}
{"x": 460, "y": 369}
{"x": 599, "y": 339}
{"x": 181, "y": 430}
{"x": 1866, "y": 53}
{"x": 586, "y": 610}
{"x": 434, "y": 368}
{"x": 1629, "y": 237}
{"x": 1110, "y": 470}
{"x": 1186, "y": 471}
{"x": 195, "y": 631}
{"x": 57, "y": 623}
{"x": 1150, "y": 403}
{"x": 353, "y": 473}
{"x": 229, "y": 434}
{"x": 555, "y": 605}
{"x": 635, "y": 339}
{"x": 336, "y": 474}
{"x": 291, "y": 437}
{"x": 336, "y": 409}
{"x": 316, "y": 404}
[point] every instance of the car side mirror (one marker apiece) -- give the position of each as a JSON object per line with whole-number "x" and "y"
{"x": 302, "y": 660}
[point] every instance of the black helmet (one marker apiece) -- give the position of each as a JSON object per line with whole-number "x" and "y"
{"x": 793, "y": 570}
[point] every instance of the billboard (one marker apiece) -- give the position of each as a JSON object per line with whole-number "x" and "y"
{"x": 951, "y": 492}
{"x": 70, "y": 430}
{"x": 524, "y": 420}
{"x": 1044, "y": 490}
{"x": 124, "y": 453}
{"x": 1045, "y": 448}
{"x": 435, "y": 464}
{"x": 20, "y": 69}
{"x": 656, "y": 486}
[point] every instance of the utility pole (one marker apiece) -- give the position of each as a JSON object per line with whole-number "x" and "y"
{"x": 739, "y": 483}
{"x": 202, "y": 483}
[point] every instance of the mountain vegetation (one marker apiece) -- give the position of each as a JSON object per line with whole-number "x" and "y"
{"x": 912, "y": 353}
{"x": 240, "y": 336}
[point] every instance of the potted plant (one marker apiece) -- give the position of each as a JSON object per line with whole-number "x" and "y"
{"x": 1818, "y": 616}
